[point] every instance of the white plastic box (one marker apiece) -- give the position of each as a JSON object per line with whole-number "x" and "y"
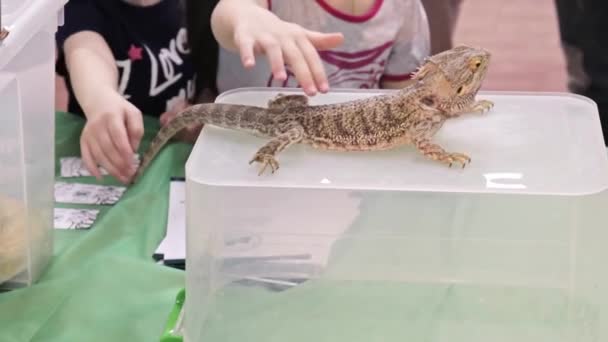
{"x": 391, "y": 246}
{"x": 27, "y": 131}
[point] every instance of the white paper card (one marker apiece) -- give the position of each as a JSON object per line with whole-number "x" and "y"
{"x": 68, "y": 218}
{"x": 173, "y": 246}
{"x": 80, "y": 193}
{"x": 74, "y": 167}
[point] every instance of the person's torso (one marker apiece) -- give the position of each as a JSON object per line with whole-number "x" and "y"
{"x": 151, "y": 50}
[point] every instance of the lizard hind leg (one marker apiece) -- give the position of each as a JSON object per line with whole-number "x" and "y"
{"x": 266, "y": 155}
{"x": 436, "y": 152}
{"x": 282, "y": 102}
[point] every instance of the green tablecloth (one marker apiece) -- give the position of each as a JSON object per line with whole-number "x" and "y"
{"x": 102, "y": 283}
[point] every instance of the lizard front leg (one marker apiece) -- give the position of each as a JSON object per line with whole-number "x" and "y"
{"x": 480, "y": 106}
{"x": 266, "y": 155}
{"x": 436, "y": 152}
{"x": 282, "y": 102}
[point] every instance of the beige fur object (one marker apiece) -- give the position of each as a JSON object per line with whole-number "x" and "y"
{"x": 13, "y": 238}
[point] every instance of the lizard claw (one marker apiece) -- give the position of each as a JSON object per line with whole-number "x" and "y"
{"x": 266, "y": 160}
{"x": 483, "y": 106}
{"x": 435, "y": 152}
{"x": 451, "y": 158}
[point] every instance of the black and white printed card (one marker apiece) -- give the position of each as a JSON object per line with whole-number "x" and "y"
{"x": 80, "y": 193}
{"x": 69, "y": 218}
{"x": 74, "y": 167}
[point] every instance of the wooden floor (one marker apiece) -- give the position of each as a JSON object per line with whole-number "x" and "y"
{"x": 521, "y": 34}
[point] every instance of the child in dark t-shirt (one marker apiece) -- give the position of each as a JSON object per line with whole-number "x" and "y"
{"x": 122, "y": 58}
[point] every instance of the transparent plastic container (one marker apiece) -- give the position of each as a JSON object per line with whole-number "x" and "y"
{"x": 391, "y": 246}
{"x": 12, "y": 8}
{"x": 27, "y": 131}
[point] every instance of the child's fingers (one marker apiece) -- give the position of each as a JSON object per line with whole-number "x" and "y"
{"x": 245, "y": 44}
{"x": 88, "y": 160}
{"x": 119, "y": 165}
{"x": 135, "y": 127}
{"x": 102, "y": 159}
{"x": 118, "y": 133}
{"x": 300, "y": 67}
{"x": 169, "y": 115}
{"x": 180, "y": 107}
{"x": 164, "y": 118}
{"x": 324, "y": 41}
{"x": 273, "y": 52}
{"x": 314, "y": 64}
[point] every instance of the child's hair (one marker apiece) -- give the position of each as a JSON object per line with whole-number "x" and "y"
{"x": 204, "y": 48}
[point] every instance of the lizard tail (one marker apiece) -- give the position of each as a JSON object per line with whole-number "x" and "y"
{"x": 222, "y": 115}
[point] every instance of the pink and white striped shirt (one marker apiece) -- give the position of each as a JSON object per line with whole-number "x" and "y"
{"x": 386, "y": 43}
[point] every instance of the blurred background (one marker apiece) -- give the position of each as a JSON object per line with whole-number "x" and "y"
{"x": 522, "y": 35}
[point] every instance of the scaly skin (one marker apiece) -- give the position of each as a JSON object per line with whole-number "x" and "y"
{"x": 445, "y": 87}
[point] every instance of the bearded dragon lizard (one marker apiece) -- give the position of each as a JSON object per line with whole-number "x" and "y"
{"x": 444, "y": 87}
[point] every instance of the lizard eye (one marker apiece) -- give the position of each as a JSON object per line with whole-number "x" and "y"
{"x": 474, "y": 65}
{"x": 460, "y": 89}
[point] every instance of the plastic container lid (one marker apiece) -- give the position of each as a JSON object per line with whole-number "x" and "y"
{"x": 23, "y": 19}
{"x": 11, "y": 7}
{"x": 529, "y": 143}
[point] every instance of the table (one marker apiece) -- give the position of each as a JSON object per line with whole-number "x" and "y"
{"x": 102, "y": 284}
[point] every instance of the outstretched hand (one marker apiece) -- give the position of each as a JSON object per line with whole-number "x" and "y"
{"x": 285, "y": 43}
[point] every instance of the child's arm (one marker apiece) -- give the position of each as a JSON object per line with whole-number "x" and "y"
{"x": 114, "y": 126}
{"x": 247, "y": 26}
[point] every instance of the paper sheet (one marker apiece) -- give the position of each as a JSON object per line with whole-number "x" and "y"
{"x": 80, "y": 193}
{"x": 173, "y": 246}
{"x": 68, "y": 218}
{"x": 74, "y": 167}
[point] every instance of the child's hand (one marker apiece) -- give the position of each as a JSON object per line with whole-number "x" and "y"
{"x": 257, "y": 30}
{"x": 188, "y": 134}
{"x": 111, "y": 136}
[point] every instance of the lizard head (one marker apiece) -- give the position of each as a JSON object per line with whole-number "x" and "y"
{"x": 456, "y": 74}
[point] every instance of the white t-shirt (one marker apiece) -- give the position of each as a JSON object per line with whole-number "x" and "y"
{"x": 388, "y": 42}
